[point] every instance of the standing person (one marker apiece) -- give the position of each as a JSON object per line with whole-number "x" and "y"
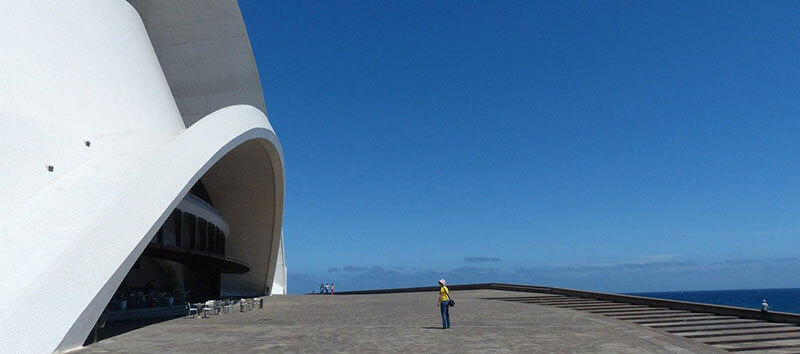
{"x": 764, "y": 309}
{"x": 327, "y": 289}
{"x": 321, "y": 288}
{"x": 331, "y": 288}
{"x": 444, "y": 303}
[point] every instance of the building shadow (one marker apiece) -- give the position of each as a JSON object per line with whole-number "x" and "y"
{"x": 113, "y": 329}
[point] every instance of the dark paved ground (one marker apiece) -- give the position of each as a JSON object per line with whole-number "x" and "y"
{"x": 399, "y": 323}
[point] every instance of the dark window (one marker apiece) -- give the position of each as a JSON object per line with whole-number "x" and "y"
{"x": 217, "y": 241}
{"x": 187, "y": 234}
{"x": 168, "y": 230}
{"x": 177, "y": 220}
{"x": 212, "y": 242}
{"x": 201, "y": 235}
{"x": 159, "y": 236}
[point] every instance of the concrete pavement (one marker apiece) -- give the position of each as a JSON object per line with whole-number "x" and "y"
{"x": 407, "y": 322}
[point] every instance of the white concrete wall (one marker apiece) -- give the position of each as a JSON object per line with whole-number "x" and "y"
{"x": 66, "y": 76}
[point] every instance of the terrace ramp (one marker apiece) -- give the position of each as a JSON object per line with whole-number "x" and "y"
{"x": 729, "y": 333}
{"x": 483, "y": 320}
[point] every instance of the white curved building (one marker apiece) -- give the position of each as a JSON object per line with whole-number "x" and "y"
{"x": 135, "y": 153}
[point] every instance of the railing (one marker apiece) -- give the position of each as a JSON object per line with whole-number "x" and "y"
{"x": 196, "y": 200}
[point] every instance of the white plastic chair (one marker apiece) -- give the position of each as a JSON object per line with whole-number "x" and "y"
{"x": 191, "y": 308}
{"x": 209, "y": 306}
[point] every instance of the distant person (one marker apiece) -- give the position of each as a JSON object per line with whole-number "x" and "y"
{"x": 444, "y": 303}
{"x": 331, "y": 288}
{"x": 321, "y": 288}
{"x": 764, "y": 309}
{"x": 328, "y": 289}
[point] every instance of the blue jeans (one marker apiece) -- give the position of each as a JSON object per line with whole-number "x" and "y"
{"x": 445, "y": 307}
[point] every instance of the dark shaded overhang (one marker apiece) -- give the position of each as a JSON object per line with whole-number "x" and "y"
{"x": 198, "y": 258}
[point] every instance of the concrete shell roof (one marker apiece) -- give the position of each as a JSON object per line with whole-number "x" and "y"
{"x": 85, "y": 71}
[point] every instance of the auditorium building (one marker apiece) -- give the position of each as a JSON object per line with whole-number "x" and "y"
{"x": 137, "y": 164}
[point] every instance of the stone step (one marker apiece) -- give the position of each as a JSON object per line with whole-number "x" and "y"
{"x": 739, "y": 332}
{"x": 605, "y": 310}
{"x": 559, "y": 301}
{"x": 761, "y": 346}
{"x": 723, "y": 321}
{"x": 628, "y": 314}
{"x": 604, "y": 306}
{"x": 666, "y": 316}
{"x": 526, "y": 300}
{"x": 586, "y": 306}
{"x": 642, "y": 311}
{"x": 683, "y": 319}
{"x": 751, "y": 338}
{"x": 615, "y": 305}
{"x": 590, "y": 304}
{"x": 516, "y": 298}
{"x": 728, "y": 326}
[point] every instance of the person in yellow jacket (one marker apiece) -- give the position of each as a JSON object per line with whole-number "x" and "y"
{"x": 444, "y": 303}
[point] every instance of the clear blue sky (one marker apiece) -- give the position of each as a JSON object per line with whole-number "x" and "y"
{"x": 615, "y": 146}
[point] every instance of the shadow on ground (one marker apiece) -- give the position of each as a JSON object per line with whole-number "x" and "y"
{"x": 113, "y": 329}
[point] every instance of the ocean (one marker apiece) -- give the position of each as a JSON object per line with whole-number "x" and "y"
{"x": 784, "y": 300}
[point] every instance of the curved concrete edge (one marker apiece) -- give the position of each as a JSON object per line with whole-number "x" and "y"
{"x": 247, "y": 196}
{"x": 276, "y": 278}
{"x": 56, "y": 310}
{"x": 280, "y": 283}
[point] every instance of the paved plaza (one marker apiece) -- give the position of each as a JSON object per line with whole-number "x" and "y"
{"x": 407, "y": 322}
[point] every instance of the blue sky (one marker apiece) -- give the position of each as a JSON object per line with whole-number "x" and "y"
{"x": 614, "y": 146}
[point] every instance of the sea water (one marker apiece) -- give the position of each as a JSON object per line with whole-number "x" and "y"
{"x": 784, "y": 300}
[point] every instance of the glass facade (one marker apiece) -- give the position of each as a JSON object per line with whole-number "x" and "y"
{"x": 185, "y": 230}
